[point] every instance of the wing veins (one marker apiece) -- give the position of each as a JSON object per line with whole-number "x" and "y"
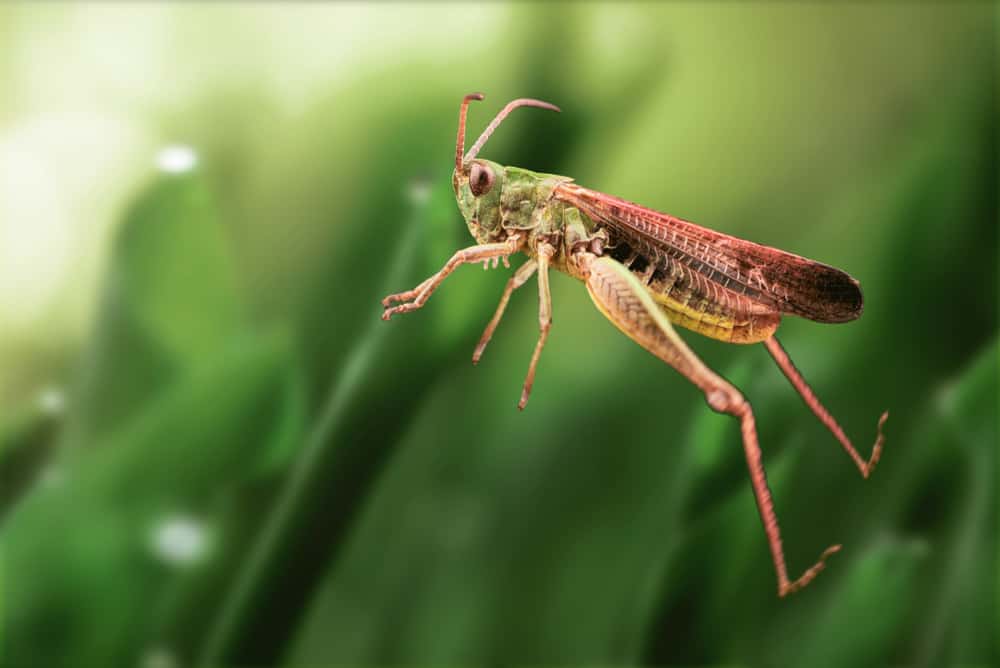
{"x": 766, "y": 276}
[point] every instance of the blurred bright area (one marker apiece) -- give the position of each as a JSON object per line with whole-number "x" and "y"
{"x": 94, "y": 92}
{"x": 214, "y": 452}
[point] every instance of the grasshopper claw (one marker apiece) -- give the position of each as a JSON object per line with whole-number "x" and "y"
{"x": 785, "y": 588}
{"x": 400, "y": 308}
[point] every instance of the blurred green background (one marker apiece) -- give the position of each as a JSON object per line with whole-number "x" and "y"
{"x": 214, "y": 452}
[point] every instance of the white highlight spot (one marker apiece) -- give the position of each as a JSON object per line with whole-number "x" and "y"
{"x": 158, "y": 657}
{"x": 51, "y": 478}
{"x": 177, "y": 159}
{"x": 179, "y": 540}
{"x": 52, "y": 400}
{"x": 419, "y": 191}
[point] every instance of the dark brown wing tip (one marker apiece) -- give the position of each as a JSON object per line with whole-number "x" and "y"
{"x": 838, "y": 297}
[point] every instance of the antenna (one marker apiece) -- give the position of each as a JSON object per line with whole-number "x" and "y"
{"x": 460, "y": 141}
{"x": 511, "y": 106}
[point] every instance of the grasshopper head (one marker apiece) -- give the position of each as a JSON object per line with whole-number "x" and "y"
{"x": 477, "y": 191}
{"x": 478, "y": 183}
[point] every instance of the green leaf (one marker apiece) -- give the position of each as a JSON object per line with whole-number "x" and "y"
{"x": 954, "y": 624}
{"x": 862, "y": 618}
{"x": 170, "y": 302}
{"x": 26, "y": 445}
{"x": 173, "y": 270}
{"x": 88, "y": 553}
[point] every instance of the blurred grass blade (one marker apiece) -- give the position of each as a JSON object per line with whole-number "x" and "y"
{"x": 336, "y": 466}
{"x": 187, "y": 410}
{"x": 195, "y": 600}
{"x": 26, "y": 445}
{"x": 88, "y": 552}
{"x": 169, "y": 302}
{"x": 955, "y": 625}
{"x": 851, "y": 629}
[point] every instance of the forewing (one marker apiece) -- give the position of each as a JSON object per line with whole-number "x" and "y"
{"x": 771, "y": 277}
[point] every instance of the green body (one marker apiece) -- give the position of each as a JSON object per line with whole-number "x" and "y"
{"x": 521, "y": 201}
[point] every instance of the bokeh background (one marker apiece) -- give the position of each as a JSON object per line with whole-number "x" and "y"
{"x": 214, "y": 451}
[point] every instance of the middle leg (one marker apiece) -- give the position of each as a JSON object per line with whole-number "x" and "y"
{"x": 545, "y": 253}
{"x": 520, "y": 277}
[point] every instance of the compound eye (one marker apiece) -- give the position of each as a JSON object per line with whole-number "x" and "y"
{"x": 480, "y": 179}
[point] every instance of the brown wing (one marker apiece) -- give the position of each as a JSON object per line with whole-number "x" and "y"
{"x": 785, "y": 281}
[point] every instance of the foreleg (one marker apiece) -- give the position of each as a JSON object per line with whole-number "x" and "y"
{"x": 422, "y": 292}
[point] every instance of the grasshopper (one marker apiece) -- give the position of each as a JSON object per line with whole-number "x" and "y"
{"x": 646, "y": 272}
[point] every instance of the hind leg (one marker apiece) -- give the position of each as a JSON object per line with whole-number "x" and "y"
{"x": 627, "y": 304}
{"x": 812, "y": 401}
